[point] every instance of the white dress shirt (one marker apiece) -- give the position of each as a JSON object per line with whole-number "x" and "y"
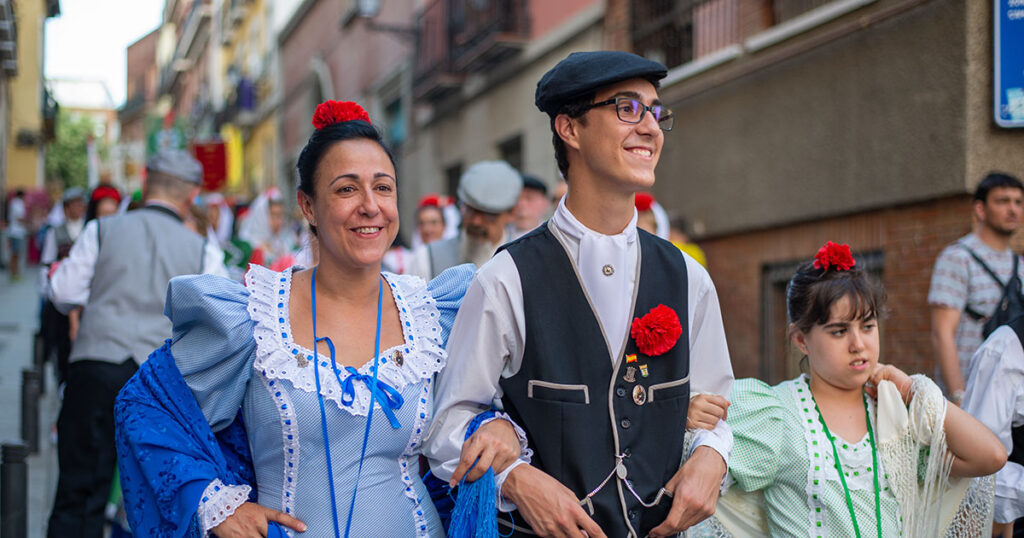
{"x": 995, "y": 396}
{"x": 486, "y": 342}
{"x": 69, "y": 285}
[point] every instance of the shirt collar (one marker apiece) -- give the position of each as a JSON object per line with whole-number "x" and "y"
{"x": 567, "y": 223}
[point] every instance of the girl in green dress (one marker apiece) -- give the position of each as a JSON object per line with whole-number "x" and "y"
{"x": 838, "y": 451}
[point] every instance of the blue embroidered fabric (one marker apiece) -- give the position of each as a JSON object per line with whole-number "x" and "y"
{"x": 168, "y": 454}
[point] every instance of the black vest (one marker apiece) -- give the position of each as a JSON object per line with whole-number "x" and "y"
{"x": 1017, "y": 432}
{"x": 578, "y": 409}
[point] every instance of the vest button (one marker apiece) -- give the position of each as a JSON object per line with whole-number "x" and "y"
{"x": 632, "y": 514}
{"x": 627, "y": 452}
{"x": 625, "y": 423}
{"x": 620, "y": 392}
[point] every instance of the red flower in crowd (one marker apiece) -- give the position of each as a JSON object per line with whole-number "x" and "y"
{"x": 330, "y": 112}
{"x": 833, "y": 256}
{"x": 656, "y": 332}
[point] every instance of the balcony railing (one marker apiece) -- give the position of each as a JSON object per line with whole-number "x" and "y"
{"x": 486, "y": 33}
{"x": 435, "y": 78}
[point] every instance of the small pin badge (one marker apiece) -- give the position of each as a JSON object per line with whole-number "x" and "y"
{"x": 631, "y": 358}
{"x": 639, "y": 395}
{"x": 301, "y": 360}
{"x": 643, "y": 370}
{"x": 399, "y": 359}
{"x": 630, "y": 376}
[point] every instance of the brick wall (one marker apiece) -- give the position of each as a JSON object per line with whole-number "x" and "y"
{"x": 910, "y": 237}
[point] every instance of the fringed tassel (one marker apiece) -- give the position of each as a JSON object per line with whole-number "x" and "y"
{"x": 476, "y": 507}
{"x": 476, "y": 510}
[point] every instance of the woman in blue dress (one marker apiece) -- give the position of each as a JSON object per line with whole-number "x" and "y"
{"x": 333, "y": 438}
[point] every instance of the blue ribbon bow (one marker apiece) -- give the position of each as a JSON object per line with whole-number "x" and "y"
{"x": 384, "y": 394}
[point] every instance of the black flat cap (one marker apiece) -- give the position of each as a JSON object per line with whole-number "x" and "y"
{"x": 584, "y": 72}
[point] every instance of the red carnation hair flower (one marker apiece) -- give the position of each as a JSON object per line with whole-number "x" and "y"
{"x": 656, "y": 332}
{"x": 833, "y": 256}
{"x": 643, "y": 201}
{"x": 330, "y": 112}
{"x": 105, "y": 191}
{"x": 430, "y": 200}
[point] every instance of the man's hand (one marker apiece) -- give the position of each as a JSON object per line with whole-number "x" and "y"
{"x": 695, "y": 489}
{"x": 497, "y": 446}
{"x": 705, "y": 411}
{"x": 251, "y": 519}
{"x": 548, "y": 507}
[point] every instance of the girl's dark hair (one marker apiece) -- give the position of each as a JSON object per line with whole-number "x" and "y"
{"x": 811, "y": 293}
{"x": 322, "y": 139}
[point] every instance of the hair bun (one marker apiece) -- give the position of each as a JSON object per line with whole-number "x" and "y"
{"x": 330, "y": 112}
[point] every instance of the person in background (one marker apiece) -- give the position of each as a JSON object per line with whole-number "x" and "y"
{"x": 995, "y": 396}
{"x": 531, "y": 209}
{"x": 55, "y": 326}
{"x": 17, "y": 231}
{"x": 680, "y": 237}
{"x": 430, "y": 221}
{"x": 118, "y": 270}
{"x": 104, "y": 200}
{"x": 488, "y": 192}
{"x": 963, "y": 294}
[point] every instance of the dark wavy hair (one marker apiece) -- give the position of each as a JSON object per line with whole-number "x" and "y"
{"x": 811, "y": 293}
{"x": 322, "y": 139}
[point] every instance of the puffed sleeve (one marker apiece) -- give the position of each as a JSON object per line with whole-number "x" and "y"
{"x": 212, "y": 342}
{"x": 759, "y": 423}
{"x": 448, "y": 289}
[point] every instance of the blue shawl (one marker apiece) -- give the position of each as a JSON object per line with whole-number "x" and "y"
{"x": 168, "y": 454}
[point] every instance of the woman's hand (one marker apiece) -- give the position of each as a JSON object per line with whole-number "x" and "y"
{"x": 888, "y": 372}
{"x": 251, "y": 519}
{"x": 495, "y": 444}
{"x": 705, "y": 411}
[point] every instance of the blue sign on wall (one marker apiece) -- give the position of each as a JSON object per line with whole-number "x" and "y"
{"x": 1009, "y": 62}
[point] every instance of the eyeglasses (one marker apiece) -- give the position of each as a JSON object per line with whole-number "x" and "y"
{"x": 632, "y": 111}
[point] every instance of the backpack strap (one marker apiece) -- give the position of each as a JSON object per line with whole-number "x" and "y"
{"x": 988, "y": 269}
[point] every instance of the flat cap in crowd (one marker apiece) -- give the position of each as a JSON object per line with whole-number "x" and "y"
{"x": 583, "y": 72}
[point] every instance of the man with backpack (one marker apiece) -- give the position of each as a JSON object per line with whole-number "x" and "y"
{"x": 976, "y": 282}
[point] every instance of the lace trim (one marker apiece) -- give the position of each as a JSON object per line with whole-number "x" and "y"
{"x": 279, "y": 357}
{"x": 423, "y": 411}
{"x": 219, "y": 502}
{"x": 289, "y": 441}
{"x": 855, "y": 457}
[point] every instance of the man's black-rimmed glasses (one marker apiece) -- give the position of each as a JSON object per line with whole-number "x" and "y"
{"x": 630, "y": 110}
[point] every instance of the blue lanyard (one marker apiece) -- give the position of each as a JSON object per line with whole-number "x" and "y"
{"x": 392, "y": 400}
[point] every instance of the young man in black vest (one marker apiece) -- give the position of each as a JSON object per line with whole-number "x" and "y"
{"x": 549, "y": 328}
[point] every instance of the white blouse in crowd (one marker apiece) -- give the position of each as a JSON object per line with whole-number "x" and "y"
{"x": 995, "y": 396}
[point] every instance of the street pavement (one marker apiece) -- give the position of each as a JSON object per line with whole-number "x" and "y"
{"x": 19, "y": 320}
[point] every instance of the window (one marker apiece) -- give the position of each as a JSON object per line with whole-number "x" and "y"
{"x": 780, "y": 360}
{"x": 511, "y": 151}
{"x": 394, "y": 115}
{"x": 452, "y": 175}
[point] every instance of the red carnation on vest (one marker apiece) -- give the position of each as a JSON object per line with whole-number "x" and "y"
{"x": 330, "y": 112}
{"x": 656, "y": 332}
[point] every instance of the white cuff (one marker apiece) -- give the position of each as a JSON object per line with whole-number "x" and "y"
{"x": 720, "y": 439}
{"x": 219, "y": 502}
{"x": 499, "y": 481}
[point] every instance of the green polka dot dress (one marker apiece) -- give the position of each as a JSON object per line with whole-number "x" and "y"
{"x": 781, "y": 449}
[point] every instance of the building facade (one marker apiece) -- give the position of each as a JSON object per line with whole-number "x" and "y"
{"x": 30, "y": 110}
{"x": 865, "y": 122}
